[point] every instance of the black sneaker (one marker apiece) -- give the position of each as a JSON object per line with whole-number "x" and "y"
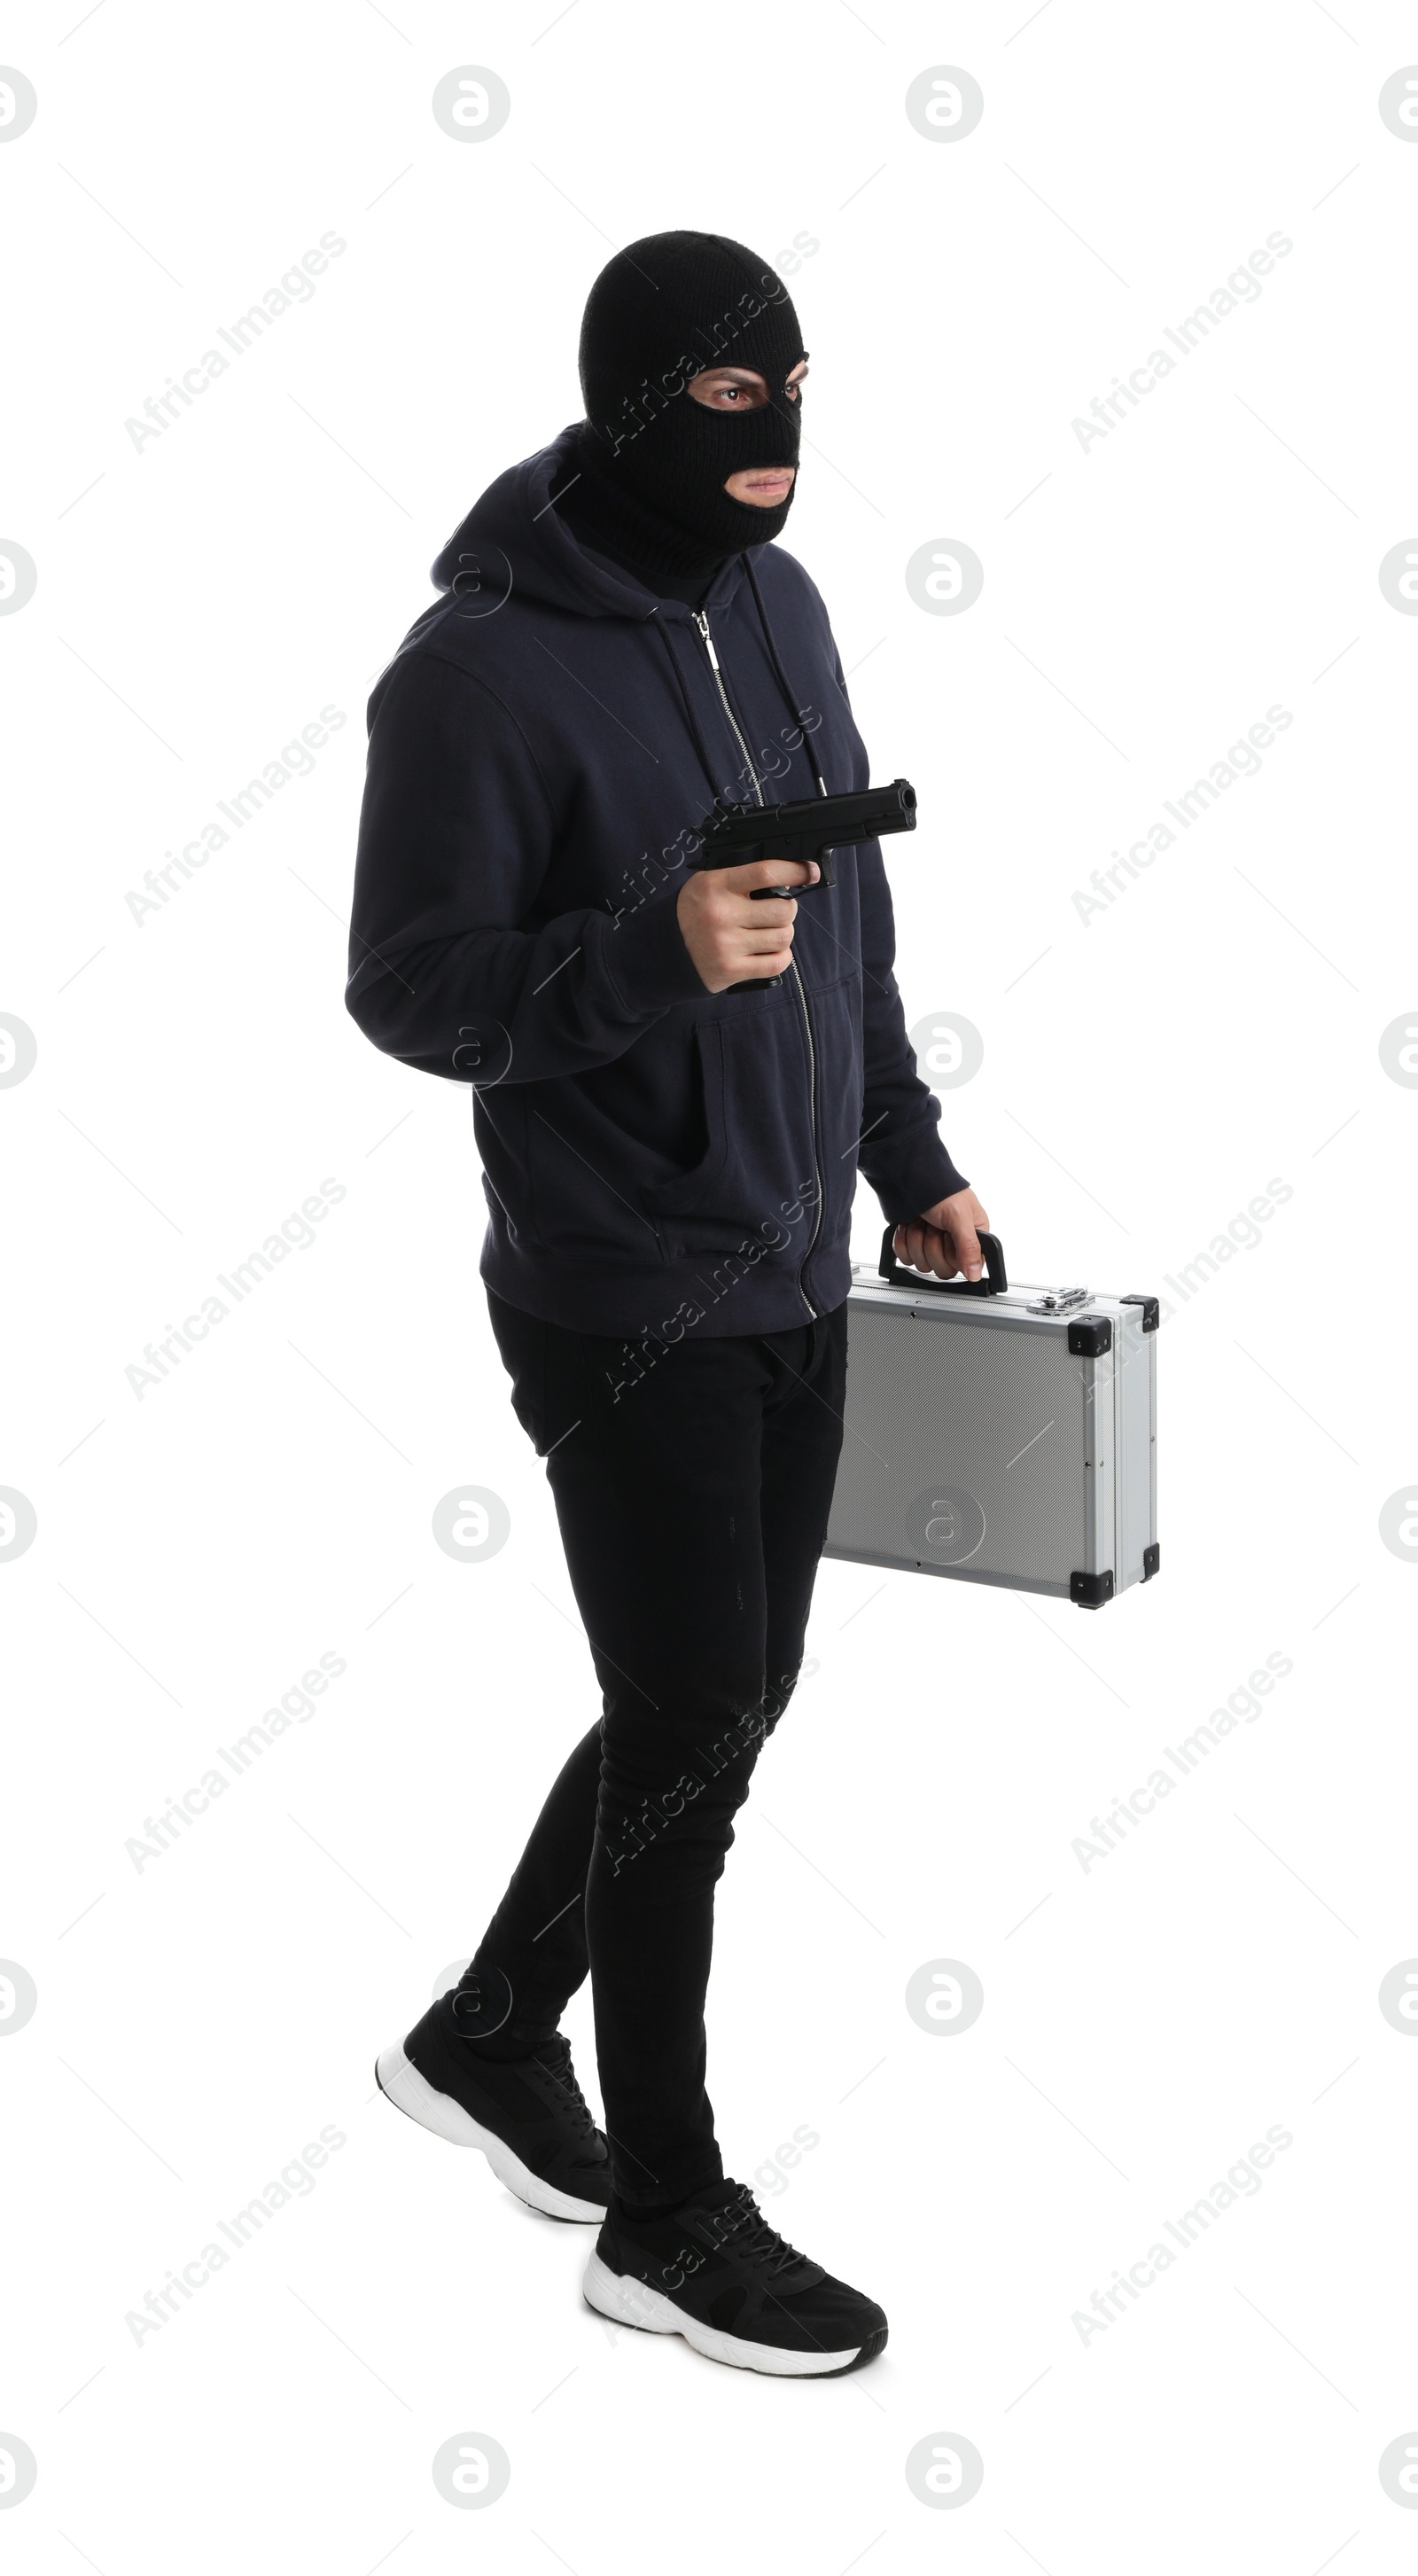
{"x": 719, "y": 2275}
{"x": 529, "y": 2116}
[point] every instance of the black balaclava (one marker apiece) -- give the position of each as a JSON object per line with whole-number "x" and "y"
{"x": 652, "y": 461}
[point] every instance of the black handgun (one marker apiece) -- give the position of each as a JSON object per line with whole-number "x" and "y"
{"x": 811, "y": 828}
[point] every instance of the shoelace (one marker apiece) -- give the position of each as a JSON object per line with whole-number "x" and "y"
{"x": 751, "y": 2236}
{"x": 559, "y": 2067}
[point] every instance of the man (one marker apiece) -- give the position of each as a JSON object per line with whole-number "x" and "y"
{"x": 676, "y": 1076}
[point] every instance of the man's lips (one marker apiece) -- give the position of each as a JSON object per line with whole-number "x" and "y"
{"x": 770, "y": 478}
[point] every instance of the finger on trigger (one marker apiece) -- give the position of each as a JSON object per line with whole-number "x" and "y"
{"x": 780, "y": 872}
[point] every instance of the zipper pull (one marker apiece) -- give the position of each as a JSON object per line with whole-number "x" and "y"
{"x": 702, "y": 622}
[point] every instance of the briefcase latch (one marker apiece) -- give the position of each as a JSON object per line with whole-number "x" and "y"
{"x": 1056, "y": 1301}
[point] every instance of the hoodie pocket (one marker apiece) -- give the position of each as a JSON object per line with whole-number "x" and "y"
{"x": 758, "y": 1160}
{"x": 837, "y": 1028}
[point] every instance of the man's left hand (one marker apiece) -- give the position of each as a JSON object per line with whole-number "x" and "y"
{"x": 945, "y": 1238}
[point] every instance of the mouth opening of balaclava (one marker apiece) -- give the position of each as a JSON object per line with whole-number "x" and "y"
{"x": 652, "y": 461}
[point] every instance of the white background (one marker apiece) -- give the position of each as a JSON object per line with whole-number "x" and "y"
{"x": 1145, "y": 1075}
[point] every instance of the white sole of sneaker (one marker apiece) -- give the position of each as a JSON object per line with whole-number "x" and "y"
{"x": 633, "y": 2303}
{"x": 409, "y": 2091}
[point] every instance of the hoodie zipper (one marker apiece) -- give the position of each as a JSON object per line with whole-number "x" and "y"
{"x": 702, "y": 622}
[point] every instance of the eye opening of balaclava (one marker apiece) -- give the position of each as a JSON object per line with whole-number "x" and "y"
{"x": 652, "y": 461}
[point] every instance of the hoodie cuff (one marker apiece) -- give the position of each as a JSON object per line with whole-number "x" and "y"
{"x": 647, "y": 961}
{"x": 912, "y": 1175}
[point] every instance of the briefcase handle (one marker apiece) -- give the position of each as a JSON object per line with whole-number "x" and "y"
{"x": 993, "y": 1284}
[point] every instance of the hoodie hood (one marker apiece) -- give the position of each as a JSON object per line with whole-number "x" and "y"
{"x": 514, "y": 538}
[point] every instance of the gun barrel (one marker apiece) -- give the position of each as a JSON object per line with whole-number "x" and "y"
{"x": 733, "y": 832}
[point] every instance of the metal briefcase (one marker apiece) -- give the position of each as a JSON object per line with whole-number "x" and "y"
{"x": 999, "y": 1435}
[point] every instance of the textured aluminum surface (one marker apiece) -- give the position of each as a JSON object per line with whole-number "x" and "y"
{"x": 977, "y": 1446}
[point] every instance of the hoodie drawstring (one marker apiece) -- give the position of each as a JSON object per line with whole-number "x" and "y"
{"x": 798, "y": 713}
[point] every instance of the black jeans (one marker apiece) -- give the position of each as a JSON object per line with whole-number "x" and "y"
{"x": 692, "y": 1486}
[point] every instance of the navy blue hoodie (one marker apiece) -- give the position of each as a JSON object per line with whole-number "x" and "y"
{"x": 543, "y": 746}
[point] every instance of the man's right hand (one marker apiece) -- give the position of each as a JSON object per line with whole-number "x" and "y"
{"x": 732, "y": 939}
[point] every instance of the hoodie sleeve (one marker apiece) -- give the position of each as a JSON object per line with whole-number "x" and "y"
{"x": 456, "y": 835}
{"x": 901, "y": 1151}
